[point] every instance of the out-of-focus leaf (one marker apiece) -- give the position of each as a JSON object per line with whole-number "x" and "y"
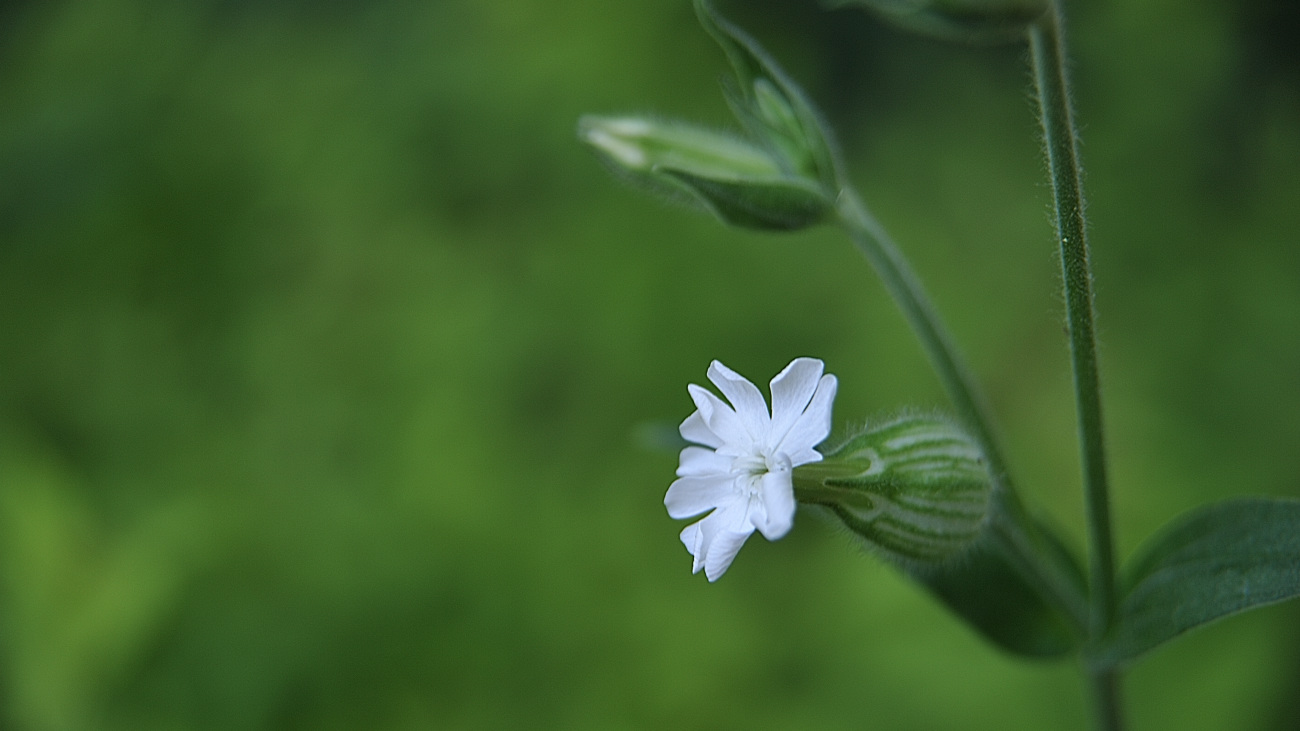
{"x": 969, "y": 21}
{"x": 987, "y": 592}
{"x": 1214, "y": 561}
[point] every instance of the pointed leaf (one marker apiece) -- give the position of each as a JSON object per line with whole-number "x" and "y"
{"x": 1214, "y": 561}
{"x": 985, "y": 590}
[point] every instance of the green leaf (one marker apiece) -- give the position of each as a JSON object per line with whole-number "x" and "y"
{"x": 1214, "y": 561}
{"x": 987, "y": 592}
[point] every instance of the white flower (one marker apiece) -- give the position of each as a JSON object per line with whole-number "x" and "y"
{"x": 744, "y": 475}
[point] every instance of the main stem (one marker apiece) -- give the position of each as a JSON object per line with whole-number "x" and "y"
{"x": 1060, "y": 140}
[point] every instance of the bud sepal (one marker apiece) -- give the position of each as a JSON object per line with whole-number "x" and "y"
{"x": 771, "y": 106}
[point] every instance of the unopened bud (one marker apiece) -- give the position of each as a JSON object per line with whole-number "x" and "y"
{"x": 742, "y": 183}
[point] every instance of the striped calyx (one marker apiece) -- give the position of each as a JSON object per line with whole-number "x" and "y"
{"x": 917, "y": 488}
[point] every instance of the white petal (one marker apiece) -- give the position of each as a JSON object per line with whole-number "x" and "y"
{"x": 712, "y": 541}
{"x": 702, "y": 538}
{"x": 745, "y": 396}
{"x": 792, "y": 389}
{"x": 695, "y": 430}
{"x": 690, "y": 496}
{"x": 719, "y": 417}
{"x": 698, "y": 462}
{"x": 813, "y": 425}
{"x": 693, "y": 538}
{"x": 722, "y": 551}
{"x": 777, "y": 491}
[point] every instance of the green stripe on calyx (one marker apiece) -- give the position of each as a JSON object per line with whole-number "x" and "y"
{"x": 916, "y": 488}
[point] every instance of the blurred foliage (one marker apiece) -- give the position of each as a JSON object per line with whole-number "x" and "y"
{"x": 323, "y": 344}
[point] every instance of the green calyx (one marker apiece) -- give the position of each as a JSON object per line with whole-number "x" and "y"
{"x": 917, "y": 489}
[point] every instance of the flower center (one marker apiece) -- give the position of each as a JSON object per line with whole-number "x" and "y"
{"x": 750, "y": 468}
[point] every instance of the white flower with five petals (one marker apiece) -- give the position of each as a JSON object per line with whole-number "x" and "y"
{"x": 743, "y": 471}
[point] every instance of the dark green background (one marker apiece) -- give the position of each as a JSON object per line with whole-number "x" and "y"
{"x": 324, "y": 347}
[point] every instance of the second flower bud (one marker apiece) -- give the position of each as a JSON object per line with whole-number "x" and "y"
{"x": 740, "y": 182}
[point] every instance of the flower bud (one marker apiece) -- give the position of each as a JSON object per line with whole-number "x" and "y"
{"x": 978, "y": 21}
{"x": 770, "y": 105}
{"x": 742, "y": 183}
{"x": 916, "y": 488}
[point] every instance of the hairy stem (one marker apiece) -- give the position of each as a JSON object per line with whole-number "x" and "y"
{"x": 1013, "y": 531}
{"x": 1108, "y": 709}
{"x": 1062, "y": 158}
{"x": 874, "y": 243}
{"x": 1061, "y": 143}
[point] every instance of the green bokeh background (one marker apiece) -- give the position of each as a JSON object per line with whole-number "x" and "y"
{"x": 324, "y": 349}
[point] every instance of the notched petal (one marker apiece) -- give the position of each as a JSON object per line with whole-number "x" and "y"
{"x": 814, "y": 424}
{"x": 745, "y": 396}
{"x": 722, "y": 551}
{"x": 792, "y": 389}
{"x": 719, "y": 417}
{"x": 694, "y": 429}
